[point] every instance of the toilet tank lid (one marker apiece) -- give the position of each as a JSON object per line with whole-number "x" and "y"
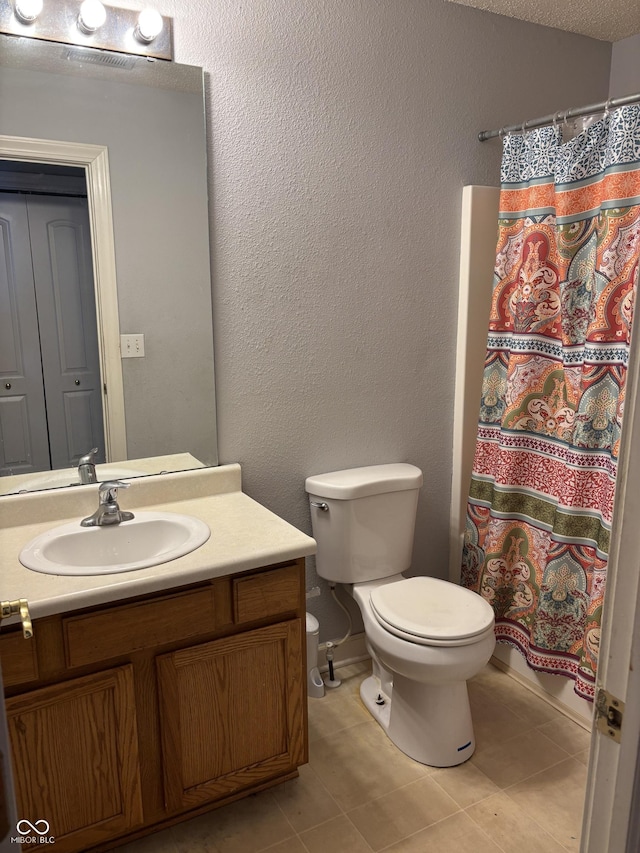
{"x": 361, "y": 482}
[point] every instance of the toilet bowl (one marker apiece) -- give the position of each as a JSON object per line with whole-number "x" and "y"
{"x": 418, "y": 690}
{"x": 426, "y": 636}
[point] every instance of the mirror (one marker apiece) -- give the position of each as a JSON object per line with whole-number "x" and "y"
{"x": 148, "y": 207}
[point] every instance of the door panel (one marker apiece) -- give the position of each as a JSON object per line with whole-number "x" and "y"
{"x": 63, "y": 275}
{"x": 24, "y": 443}
{"x": 232, "y": 713}
{"x": 16, "y": 450}
{"x": 75, "y": 757}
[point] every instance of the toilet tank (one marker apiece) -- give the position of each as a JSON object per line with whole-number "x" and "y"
{"x": 363, "y": 521}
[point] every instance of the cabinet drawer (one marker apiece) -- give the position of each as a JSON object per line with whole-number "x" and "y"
{"x": 18, "y": 658}
{"x": 121, "y": 630}
{"x": 269, "y": 593}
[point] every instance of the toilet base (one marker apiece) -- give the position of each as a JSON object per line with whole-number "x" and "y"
{"x": 430, "y": 723}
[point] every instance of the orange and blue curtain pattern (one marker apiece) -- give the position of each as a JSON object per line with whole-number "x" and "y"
{"x": 542, "y": 491}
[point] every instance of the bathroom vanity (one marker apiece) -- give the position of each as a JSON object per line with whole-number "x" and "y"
{"x": 149, "y": 696}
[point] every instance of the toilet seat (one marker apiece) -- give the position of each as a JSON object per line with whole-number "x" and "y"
{"x": 431, "y": 612}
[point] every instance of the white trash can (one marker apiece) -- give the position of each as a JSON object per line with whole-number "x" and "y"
{"x": 315, "y": 684}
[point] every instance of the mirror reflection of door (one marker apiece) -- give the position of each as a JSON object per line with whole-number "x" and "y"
{"x": 50, "y": 387}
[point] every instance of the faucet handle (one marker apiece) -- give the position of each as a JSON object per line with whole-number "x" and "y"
{"x": 108, "y": 511}
{"x": 88, "y": 458}
{"x": 108, "y": 490}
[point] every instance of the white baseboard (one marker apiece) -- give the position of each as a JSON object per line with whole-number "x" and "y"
{"x": 353, "y": 650}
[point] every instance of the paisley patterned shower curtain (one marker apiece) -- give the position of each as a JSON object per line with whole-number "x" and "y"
{"x": 542, "y": 490}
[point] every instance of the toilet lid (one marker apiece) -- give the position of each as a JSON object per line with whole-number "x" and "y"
{"x": 431, "y": 609}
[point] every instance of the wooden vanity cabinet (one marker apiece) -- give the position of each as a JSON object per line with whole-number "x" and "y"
{"x": 229, "y": 712}
{"x": 75, "y": 757}
{"x": 131, "y": 716}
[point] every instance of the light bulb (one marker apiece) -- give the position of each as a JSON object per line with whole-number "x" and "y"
{"x": 92, "y": 16}
{"x": 28, "y": 10}
{"x": 150, "y": 25}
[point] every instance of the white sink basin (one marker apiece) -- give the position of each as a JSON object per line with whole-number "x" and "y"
{"x": 149, "y": 539}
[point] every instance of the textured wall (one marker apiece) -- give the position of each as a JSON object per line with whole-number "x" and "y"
{"x": 625, "y": 68}
{"x": 341, "y": 133}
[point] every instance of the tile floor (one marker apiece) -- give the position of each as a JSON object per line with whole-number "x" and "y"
{"x": 521, "y": 792}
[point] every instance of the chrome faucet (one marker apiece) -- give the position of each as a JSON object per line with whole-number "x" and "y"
{"x": 87, "y": 467}
{"x": 108, "y": 511}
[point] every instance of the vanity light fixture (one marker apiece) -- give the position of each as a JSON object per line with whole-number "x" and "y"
{"x": 92, "y": 16}
{"x": 149, "y": 26}
{"x": 27, "y": 10}
{"x": 90, "y": 24}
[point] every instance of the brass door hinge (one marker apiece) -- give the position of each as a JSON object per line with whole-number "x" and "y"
{"x": 609, "y": 714}
{"x": 19, "y": 607}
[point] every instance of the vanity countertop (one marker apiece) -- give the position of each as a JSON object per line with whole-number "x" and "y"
{"x": 244, "y": 535}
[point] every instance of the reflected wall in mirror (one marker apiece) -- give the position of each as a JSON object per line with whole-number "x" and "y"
{"x": 149, "y": 118}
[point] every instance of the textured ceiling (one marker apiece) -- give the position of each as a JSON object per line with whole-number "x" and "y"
{"x": 609, "y": 20}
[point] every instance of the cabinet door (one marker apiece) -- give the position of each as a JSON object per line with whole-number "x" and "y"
{"x": 231, "y": 713}
{"x": 23, "y": 420}
{"x": 75, "y": 758}
{"x": 63, "y": 275}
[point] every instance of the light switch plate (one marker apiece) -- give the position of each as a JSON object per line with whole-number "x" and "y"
{"x": 132, "y": 346}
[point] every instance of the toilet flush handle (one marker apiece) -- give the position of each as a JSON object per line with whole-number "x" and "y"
{"x": 321, "y": 505}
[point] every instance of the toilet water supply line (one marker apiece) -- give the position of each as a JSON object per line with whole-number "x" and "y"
{"x": 332, "y": 681}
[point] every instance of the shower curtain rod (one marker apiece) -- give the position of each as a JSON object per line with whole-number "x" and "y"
{"x": 613, "y": 103}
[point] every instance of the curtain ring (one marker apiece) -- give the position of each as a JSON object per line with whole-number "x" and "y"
{"x": 524, "y": 127}
{"x": 607, "y": 108}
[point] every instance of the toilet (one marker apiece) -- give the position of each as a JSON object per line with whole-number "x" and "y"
{"x": 426, "y": 636}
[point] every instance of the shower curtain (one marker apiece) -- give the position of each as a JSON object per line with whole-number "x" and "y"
{"x": 542, "y": 490}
